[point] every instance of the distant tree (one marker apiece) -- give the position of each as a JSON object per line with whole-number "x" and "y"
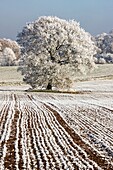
{"x": 10, "y": 44}
{"x": 7, "y": 57}
{"x": 53, "y": 51}
{"x": 9, "y": 52}
{"x": 104, "y": 41}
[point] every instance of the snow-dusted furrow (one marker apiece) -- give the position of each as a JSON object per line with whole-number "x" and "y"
{"x": 79, "y": 117}
{"x": 91, "y": 152}
{"x": 81, "y": 120}
{"x": 5, "y": 113}
{"x": 3, "y": 104}
{"x": 54, "y": 142}
{"x": 60, "y": 140}
{"x": 24, "y": 139}
{"x": 54, "y": 132}
{"x": 96, "y": 126}
{"x": 4, "y": 119}
{"x": 8, "y": 137}
{"x": 35, "y": 136}
{"x": 68, "y": 113}
{"x": 17, "y": 156}
{"x": 46, "y": 145}
{"x": 43, "y": 140}
{"x": 70, "y": 150}
{"x": 5, "y": 127}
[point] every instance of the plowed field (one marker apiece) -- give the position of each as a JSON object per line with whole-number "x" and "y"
{"x": 42, "y": 131}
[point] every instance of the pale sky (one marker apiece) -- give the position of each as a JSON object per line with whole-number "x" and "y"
{"x": 95, "y": 16}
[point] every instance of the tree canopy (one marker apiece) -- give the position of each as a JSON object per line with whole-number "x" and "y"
{"x": 53, "y": 50}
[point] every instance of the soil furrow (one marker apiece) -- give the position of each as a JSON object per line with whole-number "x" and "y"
{"x": 76, "y": 138}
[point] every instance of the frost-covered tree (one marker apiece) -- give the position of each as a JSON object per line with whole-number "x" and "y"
{"x": 9, "y": 52}
{"x": 7, "y": 57}
{"x": 53, "y": 51}
{"x": 10, "y": 44}
{"x": 104, "y": 41}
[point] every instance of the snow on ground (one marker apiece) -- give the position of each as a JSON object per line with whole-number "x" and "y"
{"x": 95, "y": 85}
{"x": 13, "y": 87}
{"x": 58, "y": 131}
{"x": 48, "y": 131}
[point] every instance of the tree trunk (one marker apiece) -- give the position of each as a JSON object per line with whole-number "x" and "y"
{"x": 49, "y": 86}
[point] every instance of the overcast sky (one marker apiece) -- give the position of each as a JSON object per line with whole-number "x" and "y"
{"x": 95, "y": 16}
